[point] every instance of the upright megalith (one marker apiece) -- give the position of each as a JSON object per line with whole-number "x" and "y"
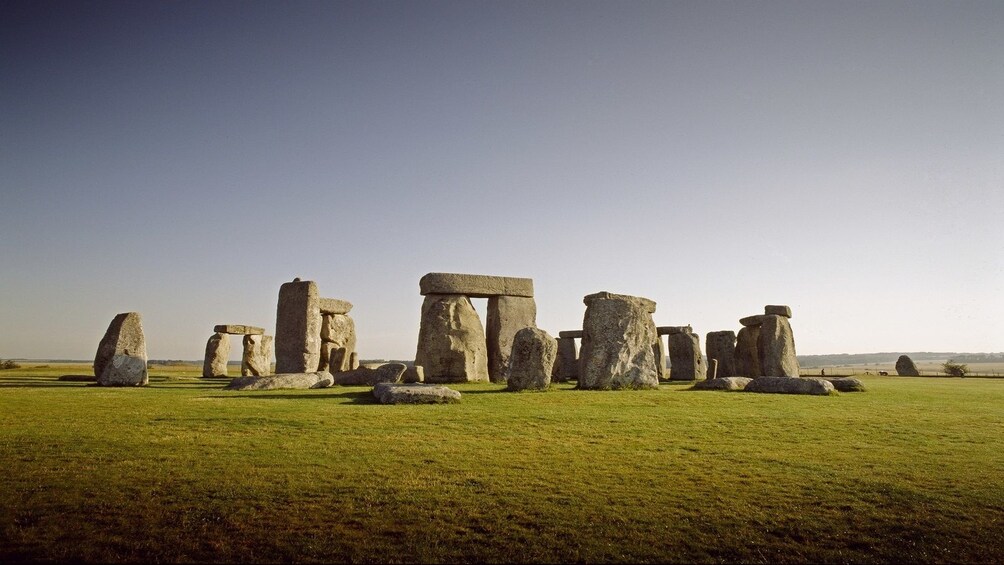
{"x": 451, "y": 341}
{"x": 721, "y": 345}
{"x": 217, "y": 356}
{"x": 257, "y": 358}
{"x": 532, "y": 360}
{"x": 685, "y": 360}
{"x": 747, "y": 357}
{"x": 506, "y": 316}
{"x": 905, "y": 367}
{"x": 121, "y": 356}
{"x": 338, "y": 342}
{"x": 298, "y": 328}
{"x": 567, "y": 362}
{"x": 618, "y": 343}
{"x": 776, "y": 347}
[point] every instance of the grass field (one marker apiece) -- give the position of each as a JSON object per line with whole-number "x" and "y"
{"x": 912, "y": 470}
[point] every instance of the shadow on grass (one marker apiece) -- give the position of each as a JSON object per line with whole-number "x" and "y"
{"x": 354, "y": 397}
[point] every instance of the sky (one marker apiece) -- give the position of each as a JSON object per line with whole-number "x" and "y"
{"x": 183, "y": 159}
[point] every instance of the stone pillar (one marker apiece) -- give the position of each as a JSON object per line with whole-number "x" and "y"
{"x": 338, "y": 342}
{"x": 451, "y": 341}
{"x": 747, "y": 358}
{"x": 660, "y": 356}
{"x": 617, "y": 343}
{"x": 721, "y": 346}
{"x": 776, "y": 347}
{"x": 506, "y": 316}
{"x": 567, "y": 364}
{"x": 532, "y": 360}
{"x": 121, "y": 356}
{"x": 298, "y": 328}
{"x": 217, "y": 355}
{"x": 257, "y": 358}
{"x": 685, "y": 359}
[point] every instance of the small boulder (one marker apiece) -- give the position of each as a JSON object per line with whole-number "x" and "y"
{"x": 905, "y": 367}
{"x": 319, "y": 379}
{"x": 790, "y": 385}
{"x": 532, "y": 360}
{"x": 724, "y": 383}
{"x": 371, "y": 376}
{"x": 847, "y": 384}
{"x": 416, "y": 393}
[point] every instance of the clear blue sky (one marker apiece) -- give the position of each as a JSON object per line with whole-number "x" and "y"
{"x": 183, "y": 159}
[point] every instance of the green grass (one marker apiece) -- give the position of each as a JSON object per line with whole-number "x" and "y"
{"x": 912, "y": 470}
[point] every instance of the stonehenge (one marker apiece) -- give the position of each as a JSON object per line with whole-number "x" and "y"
{"x": 618, "y": 343}
{"x": 414, "y": 393}
{"x": 217, "y": 355}
{"x": 721, "y": 347}
{"x": 121, "y": 356}
{"x": 905, "y": 367}
{"x": 685, "y": 359}
{"x": 256, "y": 360}
{"x": 533, "y": 354}
{"x": 765, "y": 346}
{"x": 566, "y": 365}
{"x": 452, "y": 344}
{"x": 298, "y": 328}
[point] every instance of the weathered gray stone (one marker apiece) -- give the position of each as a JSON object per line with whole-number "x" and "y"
{"x": 905, "y": 367}
{"x": 617, "y": 343}
{"x": 570, "y": 334}
{"x": 475, "y": 286}
{"x": 414, "y": 374}
{"x": 722, "y": 346}
{"x": 238, "y": 329}
{"x": 671, "y": 330}
{"x": 417, "y": 393}
{"x": 845, "y": 384}
{"x": 752, "y": 321}
{"x": 333, "y": 306}
{"x": 659, "y": 349}
{"x": 317, "y": 379}
{"x": 567, "y": 361}
{"x": 777, "y": 310}
{"x": 533, "y": 354}
{"x": 124, "y": 337}
{"x": 371, "y": 375}
{"x": 334, "y": 359}
{"x": 256, "y": 360}
{"x": 776, "y": 347}
{"x": 724, "y": 383}
{"x": 217, "y": 355}
{"x": 297, "y": 328}
{"x": 685, "y": 360}
{"x": 338, "y": 342}
{"x": 506, "y": 316}
{"x": 747, "y": 358}
{"x": 451, "y": 341}
{"x": 790, "y": 385}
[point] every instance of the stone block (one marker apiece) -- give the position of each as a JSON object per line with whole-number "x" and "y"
{"x": 752, "y": 321}
{"x": 506, "y": 316}
{"x": 123, "y": 338}
{"x": 416, "y": 393}
{"x": 298, "y": 328}
{"x": 777, "y": 310}
{"x": 475, "y": 286}
{"x": 617, "y": 344}
{"x": 533, "y": 354}
{"x": 644, "y": 303}
{"x": 256, "y": 361}
{"x": 672, "y": 330}
{"x": 333, "y": 306}
{"x": 214, "y": 364}
{"x": 451, "y": 341}
{"x": 317, "y": 379}
{"x": 238, "y": 329}
{"x": 571, "y": 334}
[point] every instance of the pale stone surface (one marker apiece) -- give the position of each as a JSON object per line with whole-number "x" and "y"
{"x": 413, "y": 374}
{"x": 354, "y": 360}
{"x": 721, "y": 345}
{"x": 752, "y": 321}
{"x": 905, "y": 367}
{"x": 256, "y": 360}
{"x": 317, "y": 379}
{"x": 724, "y": 383}
{"x": 338, "y": 342}
{"x": 790, "y": 385}
{"x": 567, "y": 362}
{"x": 238, "y": 329}
{"x": 217, "y": 354}
{"x": 777, "y": 309}
{"x": 533, "y": 354}
{"x": 571, "y": 334}
{"x": 747, "y": 357}
{"x": 333, "y": 306}
{"x": 713, "y": 369}
{"x": 124, "y": 336}
{"x": 124, "y": 370}
{"x": 617, "y": 343}
{"x": 369, "y": 375}
{"x": 685, "y": 360}
{"x": 451, "y": 341}
{"x": 776, "y": 347}
{"x": 506, "y": 316}
{"x": 298, "y": 328}
{"x": 475, "y": 286}
{"x": 416, "y": 393}
{"x": 845, "y": 384}
{"x": 671, "y": 330}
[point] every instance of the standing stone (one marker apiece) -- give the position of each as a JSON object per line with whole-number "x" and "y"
{"x": 451, "y": 341}
{"x": 506, "y": 316}
{"x": 257, "y": 358}
{"x": 217, "y": 355}
{"x": 685, "y": 359}
{"x": 659, "y": 349}
{"x": 722, "y": 346}
{"x": 567, "y": 362}
{"x": 338, "y": 337}
{"x": 617, "y": 352}
{"x": 298, "y": 328}
{"x": 354, "y": 361}
{"x": 776, "y": 346}
{"x": 712, "y": 369}
{"x": 532, "y": 360}
{"x": 747, "y": 358}
{"x": 905, "y": 367}
{"x": 413, "y": 374}
{"x": 121, "y": 356}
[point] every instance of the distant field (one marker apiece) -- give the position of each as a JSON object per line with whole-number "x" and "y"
{"x": 926, "y": 368}
{"x": 910, "y": 471}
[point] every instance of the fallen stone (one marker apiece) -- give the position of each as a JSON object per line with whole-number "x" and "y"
{"x": 721, "y": 346}
{"x": 237, "y": 329}
{"x": 217, "y": 355}
{"x": 475, "y": 286}
{"x": 570, "y": 334}
{"x": 777, "y": 310}
{"x": 451, "y": 341}
{"x": 417, "y": 393}
{"x": 533, "y": 354}
{"x": 673, "y": 330}
{"x": 567, "y": 362}
{"x": 256, "y": 361}
{"x": 685, "y": 360}
{"x": 617, "y": 343}
{"x": 747, "y": 357}
{"x": 123, "y": 338}
{"x": 413, "y": 374}
{"x": 724, "y": 383}
{"x": 78, "y": 378}
{"x": 905, "y": 367}
{"x": 333, "y": 306}
{"x": 506, "y": 315}
{"x": 297, "y": 328}
{"x": 319, "y": 379}
{"x": 370, "y": 376}
{"x": 752, "y": 321}
{"x": 790, "y": 385}
{"x": 845, "y": 384}
{"x": 776, "y": 347}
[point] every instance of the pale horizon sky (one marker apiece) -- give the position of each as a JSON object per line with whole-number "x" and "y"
{"x": 183, "y": 159}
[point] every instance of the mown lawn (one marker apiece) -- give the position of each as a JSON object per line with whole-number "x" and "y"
{"x": 912, "y": 470}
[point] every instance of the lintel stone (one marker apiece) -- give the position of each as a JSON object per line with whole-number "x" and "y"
{"x": 572, "y": 334}
{"x": 334, "y": 306}
{"x": 752, "y": 321}
{"x": 238, "y": 329}
{"x": 778, "y": 310}
{"x": 475, "y": 286}
{"x": 673, "y": 330}
{"x": 648, "y": 305}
